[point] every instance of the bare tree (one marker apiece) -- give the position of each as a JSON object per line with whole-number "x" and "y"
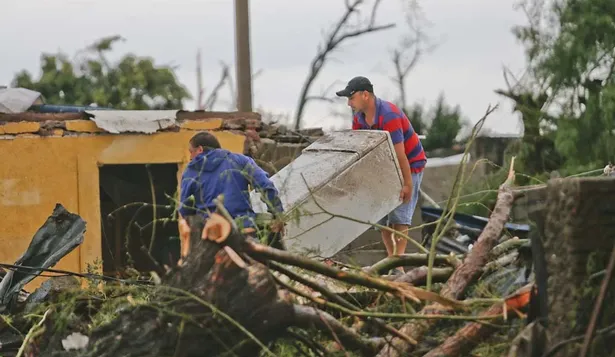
{"x": 225, "y": 79}
{"x": 213, "y": 95}
{"x": 341, "y": 32}
{"x": 233, "y": 92}
{"x": 412, "y": 46}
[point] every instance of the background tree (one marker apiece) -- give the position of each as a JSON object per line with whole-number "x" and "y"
{"x": 416, "y": 116}
{"x": 566, "y": 98}
{"x": 536, "y": 150}
{"x": 569, "y": 50}
{"x": 412, "y": 46}
{"x": 444, "y": 125}
{"x": 341, "y": 32}
{"x": 132, "y": 83}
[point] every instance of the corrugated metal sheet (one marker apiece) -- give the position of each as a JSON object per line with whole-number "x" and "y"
{"x": 138, "y": 121}
{"x": 446, "y": 161}
{"x": 17, "y": 100}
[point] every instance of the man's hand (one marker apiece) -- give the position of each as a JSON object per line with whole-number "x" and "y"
{"x": 217, "y": 228}
{"x": 184, "y": 236}
{"x": 405, "y": 194}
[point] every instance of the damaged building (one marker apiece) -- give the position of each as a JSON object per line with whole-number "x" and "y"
{"x": 102, "y": 165}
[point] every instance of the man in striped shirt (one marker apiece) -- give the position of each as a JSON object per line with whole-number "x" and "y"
{"x": 373, "y": 113}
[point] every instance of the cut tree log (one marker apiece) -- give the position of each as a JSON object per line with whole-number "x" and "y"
{"x": 207, "y": 306}
{"x": 464, "y": 275}
{"x": 218, "y": 301}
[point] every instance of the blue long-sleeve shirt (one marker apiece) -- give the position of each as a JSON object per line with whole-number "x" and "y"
{"x": 219, "y": 171}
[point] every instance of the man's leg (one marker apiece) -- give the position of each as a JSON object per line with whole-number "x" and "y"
{"x": 401, "y": 219}
{"x": 387, "y": 238}
{"x": 394, "y": 243}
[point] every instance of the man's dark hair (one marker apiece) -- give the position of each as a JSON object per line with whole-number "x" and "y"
{"x": 206, "y": 140}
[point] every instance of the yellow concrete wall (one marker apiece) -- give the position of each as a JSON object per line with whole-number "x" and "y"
{"x": 38, "y": 172}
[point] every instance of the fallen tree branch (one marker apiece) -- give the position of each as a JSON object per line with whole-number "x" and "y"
{"x": 508, "y": 245}
{"x": 321, "y": 351}
{"x": 32, "y": 334}
{"x": 447, "y": 218}
{"x": 472, "y": 334}
{"x": 471, "y": 267}
{"x": 367, "y": 314}
{"x": 418, "y": 276}
{"x": 466, "y": 273}
{"x": 500, "y": 262}
{"x": 415, "y": 259}
{"x": 468, "y": 337}
{"x": 339, "y": 300}
{"x": 357, "y": 342}
{"x": 309, "y": 317}
{"x": 265, "y": 253}
{"x": 34, "y": 271}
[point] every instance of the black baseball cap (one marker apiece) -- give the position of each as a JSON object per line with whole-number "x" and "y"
{"x": 357, "y": 84}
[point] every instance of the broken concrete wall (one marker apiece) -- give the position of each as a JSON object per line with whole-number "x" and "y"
{"x": 275, "y": 147}
{"x": 577, "y": 234}
{"x": 492, "y": 149}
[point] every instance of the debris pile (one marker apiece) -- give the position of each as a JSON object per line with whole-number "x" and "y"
{"x": 232, "y": 295}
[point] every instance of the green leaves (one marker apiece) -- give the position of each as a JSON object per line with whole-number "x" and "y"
{"x": 570, "y": 48}
{"x": 132, "y": 83}
{"x": 443, "y": 126}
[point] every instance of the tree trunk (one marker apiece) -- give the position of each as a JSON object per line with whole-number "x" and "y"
{"x": 208, "y": 306}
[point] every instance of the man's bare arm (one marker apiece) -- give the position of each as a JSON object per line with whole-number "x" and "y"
{"x": 394, "y": 126}
{"x": 404, "y": 164}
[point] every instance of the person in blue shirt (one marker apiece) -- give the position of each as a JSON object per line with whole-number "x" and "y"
{"x": 213, "y": 171}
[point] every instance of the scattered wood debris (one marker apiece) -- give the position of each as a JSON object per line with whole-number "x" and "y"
{"x": 231, "y": 294}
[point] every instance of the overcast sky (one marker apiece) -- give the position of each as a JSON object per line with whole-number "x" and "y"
{"x": 474, "y": 36}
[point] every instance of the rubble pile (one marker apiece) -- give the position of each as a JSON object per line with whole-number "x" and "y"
{"x": 232, "y": 295}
